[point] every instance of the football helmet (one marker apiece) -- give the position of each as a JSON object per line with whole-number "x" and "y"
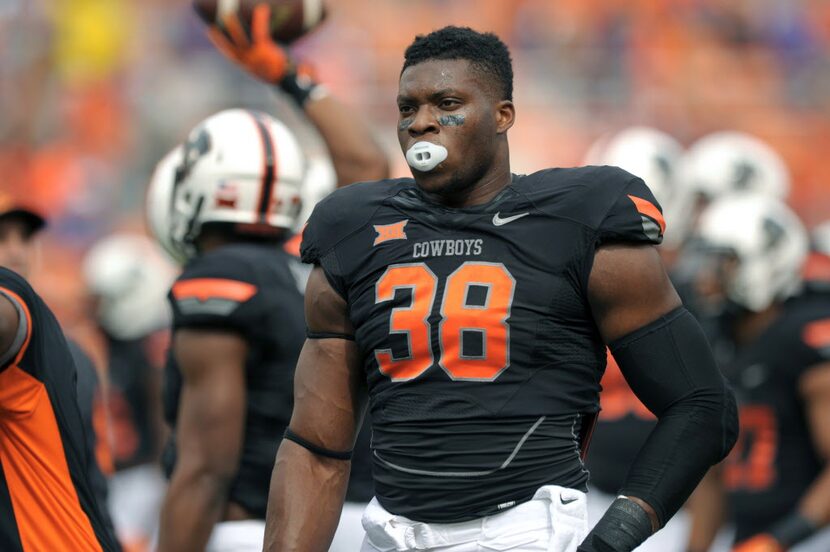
{"x": 159, "y": 209}
{"x": 654, "y": 156}
{"x": 726, "y": 162}
{"x": 239, "y": 167}
{"x": 130, "y": 279}
{"x": 760, "y": 244}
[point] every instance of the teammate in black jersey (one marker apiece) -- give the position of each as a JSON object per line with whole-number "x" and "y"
{"x": 776, "y": 481}
{"x": 226, "y": 202}
{"x": 472, "y": 307}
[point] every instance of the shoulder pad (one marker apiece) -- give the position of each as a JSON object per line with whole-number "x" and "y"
{"x": 343, "y": 212}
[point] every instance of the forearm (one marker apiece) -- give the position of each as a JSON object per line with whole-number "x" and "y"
{"x": 192, "y": 506}
{"x": 355, "y": 153}
{"x": 305, "y": 500}
{"x": 815, "y": 504}
{"x": 707, "y": 511}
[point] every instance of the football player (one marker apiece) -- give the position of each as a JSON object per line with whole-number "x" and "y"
{"x": 776, "y": 483}
{"x": 472, "y": 307}
{"x": 128, "y": 281}
{"x": 54, "y": 492}
{"x": 232, "y": 194}
{"x": 271, "y": 342}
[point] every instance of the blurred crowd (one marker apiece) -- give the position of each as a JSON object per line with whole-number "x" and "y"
{"x": 94, "y": 92}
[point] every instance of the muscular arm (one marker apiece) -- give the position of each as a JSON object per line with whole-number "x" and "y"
{"x": 209, "y": 435}
{"x": 307, "y": 490}
{"x": 630, "y": 294}
{"x": 9, "y": 325}
{"x": 707, "y": 510}
{"x": 355, "y": 153}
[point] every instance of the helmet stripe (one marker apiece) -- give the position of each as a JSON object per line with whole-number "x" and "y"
{"x": 269, "y": 173}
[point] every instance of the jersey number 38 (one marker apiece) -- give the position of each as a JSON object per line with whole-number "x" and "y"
{"x": 475, "y": 305}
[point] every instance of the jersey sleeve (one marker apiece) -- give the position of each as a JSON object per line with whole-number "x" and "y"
{"x": 333, "y": 220}
{"x": 216, "y": 292}
{"x": 634, "y": 216}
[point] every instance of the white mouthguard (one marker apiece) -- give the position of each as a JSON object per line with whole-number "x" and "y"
{"x": 425, "y": 156}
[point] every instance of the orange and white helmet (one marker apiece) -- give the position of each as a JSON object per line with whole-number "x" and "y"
{"x": 237, "y": 167}
{"x": 727, "y": 162}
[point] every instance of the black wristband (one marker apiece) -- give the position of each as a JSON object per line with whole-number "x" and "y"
{"x": 793, "y": 529}
{"x": 327, "y": 335}
{"x": 623, "y": 527}
{"x": 298, "y": 87}
{"x": 314, "y": 449}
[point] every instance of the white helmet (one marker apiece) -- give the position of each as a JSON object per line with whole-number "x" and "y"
{"x": 130, "y": 279}
{"x": 726, "y": 162}
{"x": 654, "y": 156}
{"x": 239, "y": 167}
{"x": 160, "y": 203}
{"x": 765, "y": 239}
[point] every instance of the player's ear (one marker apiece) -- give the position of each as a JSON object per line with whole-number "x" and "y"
{"x": 505, "y": 116}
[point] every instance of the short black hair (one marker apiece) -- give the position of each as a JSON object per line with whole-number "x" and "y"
{"x": 485, "y": 51}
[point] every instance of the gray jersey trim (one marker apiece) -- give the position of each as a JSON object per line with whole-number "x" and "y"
{"x": 22, "y": 331}
{"x": 504, "y": 464}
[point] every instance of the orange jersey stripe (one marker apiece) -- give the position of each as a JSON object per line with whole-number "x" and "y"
{"x": 645, "y": 207}
{"x": 46, "y": 506}
{"x": 292, "y": 245}
{"x": 817, "y": 334}
{"x": 213, "y": 288}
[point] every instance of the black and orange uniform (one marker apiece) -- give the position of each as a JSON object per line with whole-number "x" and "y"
{"x": 623, "y": 426}
{"x": 480, "y": 352}
{"x": 250, "y": 290}
{"x": 133, "y": 372}
{"x": 45, "y": 495}
{"x": 774, "y": 461}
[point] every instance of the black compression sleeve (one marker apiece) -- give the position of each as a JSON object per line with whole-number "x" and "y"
{"x": 670, "y": 368}
{"x": 314, "y": 449}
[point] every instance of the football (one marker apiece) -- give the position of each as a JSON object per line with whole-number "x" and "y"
{"x": 290, "y": 19}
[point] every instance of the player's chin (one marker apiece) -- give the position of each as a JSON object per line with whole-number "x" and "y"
{"x": 433, "y": 181}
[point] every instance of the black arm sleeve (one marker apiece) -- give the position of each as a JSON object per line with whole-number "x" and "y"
{"x": 670, "y": 368}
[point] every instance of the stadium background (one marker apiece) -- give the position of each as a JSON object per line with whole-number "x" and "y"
{"x": 94, "y": 92}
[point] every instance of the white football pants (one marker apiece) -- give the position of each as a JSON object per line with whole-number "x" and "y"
{"x": 555, "y": 520}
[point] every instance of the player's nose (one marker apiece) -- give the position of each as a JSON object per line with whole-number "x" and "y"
{"x": 424, "y": 122}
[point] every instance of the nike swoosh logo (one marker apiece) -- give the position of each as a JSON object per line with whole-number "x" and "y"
{"x": 498, "y": 221}
{"x": 568, "y": 501}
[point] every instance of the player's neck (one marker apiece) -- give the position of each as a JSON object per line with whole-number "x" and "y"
{"x": 483, "y": 191}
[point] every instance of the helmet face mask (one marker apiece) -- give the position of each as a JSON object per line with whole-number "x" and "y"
{"x": 239, "y": 168}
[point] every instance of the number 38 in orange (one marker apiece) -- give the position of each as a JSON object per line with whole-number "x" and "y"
{"x": 481, "y": 319}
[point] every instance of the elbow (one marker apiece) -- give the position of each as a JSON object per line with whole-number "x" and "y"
{"x": 713, "y": 412}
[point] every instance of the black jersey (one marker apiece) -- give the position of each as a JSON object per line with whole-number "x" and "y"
{"x": 46, "y": 500}
{"x": 480, "y": 351}
{"x": 133, "y": 376}
{"x": 774, "y": 461}
{"x": 252, "y": 290}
